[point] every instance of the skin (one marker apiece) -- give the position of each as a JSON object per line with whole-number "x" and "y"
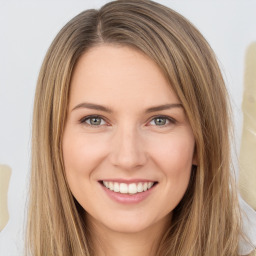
{"x": 128, "y": 142}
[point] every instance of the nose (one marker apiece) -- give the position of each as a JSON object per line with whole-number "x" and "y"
{"x": 128, "y": 149}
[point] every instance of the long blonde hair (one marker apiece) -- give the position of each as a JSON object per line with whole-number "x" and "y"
{"x": 207, "y": 221}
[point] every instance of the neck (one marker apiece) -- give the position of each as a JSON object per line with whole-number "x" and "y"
{"x": 108, "y": 242}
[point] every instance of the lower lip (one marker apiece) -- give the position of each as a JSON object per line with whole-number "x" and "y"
{"x": 128, "y": 198}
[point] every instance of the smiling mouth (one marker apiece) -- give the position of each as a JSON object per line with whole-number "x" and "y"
{"x": 131, "y": 188}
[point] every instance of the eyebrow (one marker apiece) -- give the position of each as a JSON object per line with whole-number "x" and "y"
{"x": 164, "y": 107}
{"x": 108, "y": 110}
{"x": 92, "y": 106}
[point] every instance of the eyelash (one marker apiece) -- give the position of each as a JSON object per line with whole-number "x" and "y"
{"x": 168, "y": 121}
{"x": 84, "y": 119}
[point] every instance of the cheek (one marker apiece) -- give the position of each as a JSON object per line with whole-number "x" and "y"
{"x": 81, "y": 153}
{"x": 174, "y": 157}
{"x": 173, "y": 154}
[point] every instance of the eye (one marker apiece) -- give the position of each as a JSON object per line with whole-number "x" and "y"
{"x": 93, "y": 121}
{"x": 161, "y": 121}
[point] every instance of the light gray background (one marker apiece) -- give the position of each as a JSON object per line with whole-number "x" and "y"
{"x": 26, "y": 31}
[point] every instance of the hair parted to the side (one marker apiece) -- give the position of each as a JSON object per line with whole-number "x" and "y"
{"x": 207, "y": 220}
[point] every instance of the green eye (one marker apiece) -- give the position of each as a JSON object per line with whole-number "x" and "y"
{"x": 159, "y": 121}
{"x": 162, "y": 121}
{"x": 94, "y": 121}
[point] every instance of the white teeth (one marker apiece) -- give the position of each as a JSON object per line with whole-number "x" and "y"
{"x": 140, "y": 187}
{"x": 116, "y": 187}
{"x": 111, "y": 186}
{"x": 132, "y": 188}
{"x": 106, "y": 184}
{"x": 123, "y": 188}
{"x": 150, "y": 184}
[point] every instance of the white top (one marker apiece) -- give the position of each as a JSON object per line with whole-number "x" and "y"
{"x": 249, "y": 228}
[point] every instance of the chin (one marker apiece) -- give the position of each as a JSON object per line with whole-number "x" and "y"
{"x": 132, "y": 223}
{"x": 127, "y": 227}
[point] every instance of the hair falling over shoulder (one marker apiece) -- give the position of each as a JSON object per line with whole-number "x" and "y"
{"x": 207, "y": 220}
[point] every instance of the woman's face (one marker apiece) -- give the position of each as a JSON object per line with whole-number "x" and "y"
{"x": 128, "y": 147}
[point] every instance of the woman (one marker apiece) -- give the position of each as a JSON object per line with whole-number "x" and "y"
{"x": 130, "y": 151}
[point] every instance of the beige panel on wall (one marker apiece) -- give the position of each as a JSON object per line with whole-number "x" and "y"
{"x": 5, "y": 173}
{"x": 247, "y": 178}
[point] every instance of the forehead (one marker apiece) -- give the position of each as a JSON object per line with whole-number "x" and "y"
{"x": 121, "y": 74}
